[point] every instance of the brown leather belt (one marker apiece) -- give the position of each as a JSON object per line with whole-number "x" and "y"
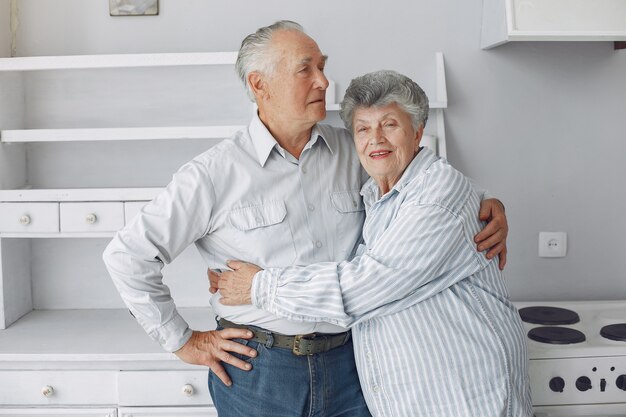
{"x": 300, "y": 345}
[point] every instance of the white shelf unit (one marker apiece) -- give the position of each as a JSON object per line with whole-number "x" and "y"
{"x": 552, "y": 20}
{"x": 59, "y": 313}
{"x": 73, "y": 169}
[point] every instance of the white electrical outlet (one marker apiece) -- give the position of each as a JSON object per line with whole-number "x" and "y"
{"x": 552, "y": 244}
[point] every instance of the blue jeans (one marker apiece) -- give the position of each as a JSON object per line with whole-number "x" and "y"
{"x": 282, "y": 384}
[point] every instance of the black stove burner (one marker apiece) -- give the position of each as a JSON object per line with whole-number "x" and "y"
{"x": 548, "y": 315}
{"x": 556, "y": 335}
{"x": 614, "y": 332}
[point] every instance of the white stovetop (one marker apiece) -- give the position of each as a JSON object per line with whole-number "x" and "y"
{"x": 593, "y": 316}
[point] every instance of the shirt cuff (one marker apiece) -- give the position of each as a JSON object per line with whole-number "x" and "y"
{"x": 173, "y": 334}
{"x": 263, "y": 288}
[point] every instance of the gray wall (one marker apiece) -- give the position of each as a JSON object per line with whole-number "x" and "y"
{"x": 538, "y": 124}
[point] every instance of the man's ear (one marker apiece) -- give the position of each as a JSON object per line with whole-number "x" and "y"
{"x": 257, "y": 85}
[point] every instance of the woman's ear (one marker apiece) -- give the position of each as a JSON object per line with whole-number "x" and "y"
{"x": 418, "y": 136}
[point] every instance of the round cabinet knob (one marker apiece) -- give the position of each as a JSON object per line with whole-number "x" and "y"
{"x": 621, "y": 382}
{"x": 583, "y": 383}
{"x": 47, "y": 391}
{"x": 557, "y": 384}
{"x": 25, "y": 220}
{"x": 91, "y": 218}
{"x": 188, "y": 390}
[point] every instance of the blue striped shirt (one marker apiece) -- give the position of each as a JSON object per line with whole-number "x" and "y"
{"x": 434, "y": 331}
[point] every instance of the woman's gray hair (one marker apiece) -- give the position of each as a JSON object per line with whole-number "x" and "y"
{"x": 380, "y": 88}
{"x": 254, "y": 54}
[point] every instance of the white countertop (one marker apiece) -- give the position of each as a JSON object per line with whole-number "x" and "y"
{"x": 96, "y": 339}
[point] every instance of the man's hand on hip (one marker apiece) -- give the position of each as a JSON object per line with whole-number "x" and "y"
{"x": 211, "y": 348}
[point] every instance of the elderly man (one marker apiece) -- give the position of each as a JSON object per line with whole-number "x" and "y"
{"x": 284, "y": 191}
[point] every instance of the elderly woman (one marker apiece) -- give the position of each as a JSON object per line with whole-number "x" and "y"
{"x": 434, "y": 332}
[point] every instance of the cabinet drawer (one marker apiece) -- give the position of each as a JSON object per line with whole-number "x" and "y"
{"x": 58, "y": 387}
{"x": 164, "y": 388}
{"x": 29, "y": 217}
{"x": 92, "y": 217}
{"x": 167, "y": 412}
{"x": 132, "y": 208}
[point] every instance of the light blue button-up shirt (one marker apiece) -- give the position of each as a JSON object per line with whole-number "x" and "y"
{"x": 434, "y": 332}
{"x": 245, "y": 198}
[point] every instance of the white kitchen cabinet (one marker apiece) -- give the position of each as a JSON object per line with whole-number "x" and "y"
{"x": 64, "y": 412}
{"x": 552, "y": 20}
{"x": 85, "y": 142}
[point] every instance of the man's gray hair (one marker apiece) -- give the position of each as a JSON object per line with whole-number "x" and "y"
{"x": 255, "y": 55}
{"x": 380, "y": 88}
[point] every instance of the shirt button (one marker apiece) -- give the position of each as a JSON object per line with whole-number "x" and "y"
{"x": 259, "y": 220}
{"x": 303, "y": 170}
{"x": 375, "y": 388}
{"x": 354, "y": 203}
{"x": 369, "y": 355}
{"x": 318, "y": 244}
{"x": 311, "y": 207}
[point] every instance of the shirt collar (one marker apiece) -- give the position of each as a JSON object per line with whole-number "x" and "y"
{"x": 422, "y": 161}
{"x": 264, "y": 142}
{"x": 316, "y": 134}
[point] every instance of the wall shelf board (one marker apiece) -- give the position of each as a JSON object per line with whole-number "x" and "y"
{"x": 58, "y": 235}
{"x": 80, "y": 194}
{"x": 118, "y": 134}
{"x": 43, "y": 63}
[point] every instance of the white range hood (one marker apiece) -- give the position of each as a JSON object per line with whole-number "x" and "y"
{"x": 552, "y": 20}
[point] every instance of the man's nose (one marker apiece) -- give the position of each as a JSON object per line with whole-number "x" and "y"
{"x": 321, "y": 81}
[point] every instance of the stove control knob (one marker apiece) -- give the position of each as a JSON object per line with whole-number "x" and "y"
{"x": 583, "y": 383}
{"x": 621, "y": 382}
{"x": 557, "y": 384}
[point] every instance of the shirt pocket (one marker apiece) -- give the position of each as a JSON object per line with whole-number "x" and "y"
{"x": 347, "y": 201}
{"x": 262, "y": 234}
{"x": 261, "y": 215}
{"x": 348, "y": 218}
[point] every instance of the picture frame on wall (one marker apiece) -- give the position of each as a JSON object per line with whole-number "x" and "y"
{"x": 133, "y": 7}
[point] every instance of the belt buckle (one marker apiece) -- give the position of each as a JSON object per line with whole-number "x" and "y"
{"x": 297, "y": 341}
